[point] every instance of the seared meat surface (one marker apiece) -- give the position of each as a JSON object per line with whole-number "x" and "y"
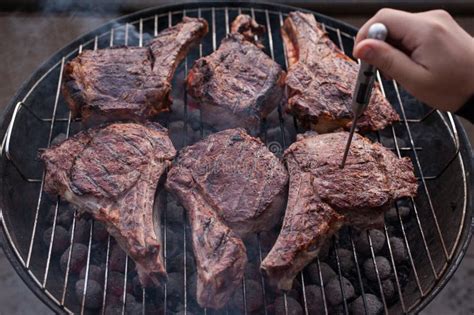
{"x": 321, "y": 80}
{"x": 231, "y": 185}
{"x": 129, "y": 83}
{"x": 237, "y": 85}
{"x": 323, "y": 197}
{"x": 113, "y": 173}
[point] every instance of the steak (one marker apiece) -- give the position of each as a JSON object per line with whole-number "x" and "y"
{"x": 113, "y": 173}
{"x": 238, "y": 85}
{"x": 231, "y": 185}
{"x": 129, "y": 83}
{"x": 322, "y": 197}
{"x": 321, "y": 80}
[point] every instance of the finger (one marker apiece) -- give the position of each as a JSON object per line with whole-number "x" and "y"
{"x": 391, "y": 61}
{"x": 398, "y": 23}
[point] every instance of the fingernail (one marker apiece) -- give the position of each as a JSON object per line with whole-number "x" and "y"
{"x": 367, "y": 53}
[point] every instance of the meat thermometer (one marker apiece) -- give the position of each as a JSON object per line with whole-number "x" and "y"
{"x": 364, "y": 85}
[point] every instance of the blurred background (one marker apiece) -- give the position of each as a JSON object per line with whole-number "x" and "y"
{"x": 31, "y": 31}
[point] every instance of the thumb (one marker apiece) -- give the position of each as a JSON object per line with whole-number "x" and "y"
{"x": 391, "y": 61}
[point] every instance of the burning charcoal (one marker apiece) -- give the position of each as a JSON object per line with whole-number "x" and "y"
{"x": 132, "y": 307}
{"x": 117, "y": 259}
{"x": 346, "y": 261}
{"x": 82, "y": 231}
{"x": 312, "y": 272}
{"x": 78, "y": 258}
{"x": 95, "y": 273}
{"x": 399, "y": 250}
{"x": 253, "y": 294}
{"x": 388, "y": 289}
{"x": 58, "y": 139}
{"x": 175, "y": 290}
{"x": 334, "y": 293}
{"x": 392, "y": 216}
{"x": 383, "y": 266}
{"x": 315, "y": 300}
{"x": 100, "y": 234}
{"x": 65, "y": 216}
{"x": 374, "y": 306}
{"x": 294, "y": 308}
{"x": 378, "y": 241}
{"x": 61, "y": 239}
{"x": 115, "y": 284}
{"x": 293, "y": 294}
{"x": 93, "y": 298}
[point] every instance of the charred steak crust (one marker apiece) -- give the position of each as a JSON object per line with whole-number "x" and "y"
{"x": 237, "y": 85}
{"x": 321, "y": 80}
{"x": 231, "y": 185}
{"x": 323, "y": 197}
{"x": 129, "y": 83}
{"x": 112, "y": 172}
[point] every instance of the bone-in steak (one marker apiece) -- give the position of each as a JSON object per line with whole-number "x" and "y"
{"x": 113, "y": 173}
{"x": 132, "y": 83}
{"x": 231, "y": 185}
{"x": 238, "y": 85}
{"x": 321, "y": 80}
{"x": 323, "y": 197}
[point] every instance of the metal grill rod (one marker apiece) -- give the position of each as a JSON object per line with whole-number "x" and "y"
{"x": 55, "y": 119}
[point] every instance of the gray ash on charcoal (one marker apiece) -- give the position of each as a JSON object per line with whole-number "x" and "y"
{"x": 312, "y": 273}
{"x": 96, "y": 273}
{"x": 335, "y": 288}
{"x": 61, "y": 239}
{"x": 81, "y": 231}
{"x": 399, "y": 250}
{"x": 383, "y": 266}
{"x": 293, "y": 306}
{"x": 373, "y": 303}
{"x": 176, "y": 263}
{"x": 363, "y": 245}
{"x": 94, "y": 293}
{"x": 314, "y": 298}
{"x": 78, "y": 258}
{"x": 254, "y": 297}
{"x": 346, "y": 261}
{"x": 132, "y": 306}
{"x": 388, "y": 288}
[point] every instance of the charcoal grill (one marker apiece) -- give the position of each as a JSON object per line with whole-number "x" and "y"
{"x": 436, "y": 234}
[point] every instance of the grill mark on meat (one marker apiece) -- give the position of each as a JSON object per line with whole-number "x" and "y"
{"x": 117, "y": 185}
{"x": 129, "y": 83}
{"x": 225, "y": 185}
{"x": 323, "y": 197}
{"x": 321, "y": 79}
{"x": 238, "y": 85}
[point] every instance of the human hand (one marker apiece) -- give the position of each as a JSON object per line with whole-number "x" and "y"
{"x": 428, "y": 53}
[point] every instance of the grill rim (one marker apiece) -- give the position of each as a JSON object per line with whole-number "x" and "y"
{"x": 465, "y": 153}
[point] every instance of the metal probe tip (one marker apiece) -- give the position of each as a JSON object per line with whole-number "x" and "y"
{"x": 348, "y": 145}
